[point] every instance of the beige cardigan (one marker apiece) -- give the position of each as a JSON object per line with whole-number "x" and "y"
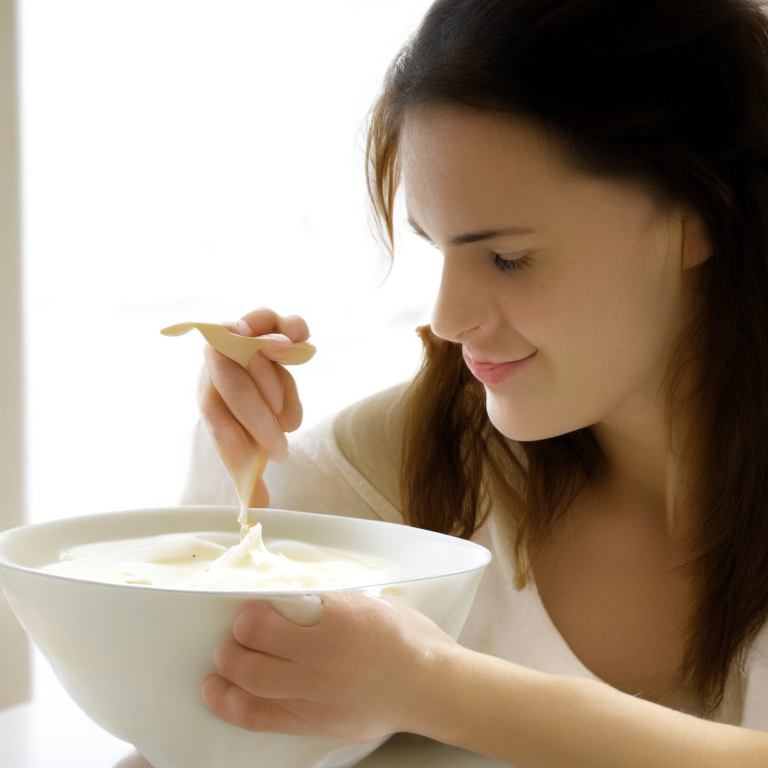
{"x": 349, "y": 465}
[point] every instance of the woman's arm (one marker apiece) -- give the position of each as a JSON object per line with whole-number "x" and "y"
{"x": 369, "y": 668}
{"x": 533, "y": 719}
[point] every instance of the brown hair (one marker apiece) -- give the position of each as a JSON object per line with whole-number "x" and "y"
{"x": 672, "y": 94}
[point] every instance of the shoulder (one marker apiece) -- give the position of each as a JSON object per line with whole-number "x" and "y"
{"x": 348, "y": 464}
{"x": 371, "y": 430}
{"x": 368, "y": 437}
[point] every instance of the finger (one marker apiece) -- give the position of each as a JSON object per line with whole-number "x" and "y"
{"x": 228, "y": 434}
{"x": 260, "y": 627}
{"x": 267, "y": 380}
{"x": 259, "y": 674}
{"x": 290, "y": 416}
{"x": 262, "y": 321}
{"x": 264, "y": 375}
{"x": 295, "y": 328}
{"x": 239, "y": 327}
{"x": 242, "y": 397}
{"x": 231, "y": 703}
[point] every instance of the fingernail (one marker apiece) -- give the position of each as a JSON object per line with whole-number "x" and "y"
{"x": 243, "y": 328}
{"x": 304, "y": 610}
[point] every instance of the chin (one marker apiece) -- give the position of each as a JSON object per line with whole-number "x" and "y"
{"x": 524, "y": 425}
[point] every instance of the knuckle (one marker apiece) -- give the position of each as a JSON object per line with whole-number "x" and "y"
{"x": 250, "y": 622}
{"x": 227, "y": 658}
{"x": 299, "y": 330}
{"x": 257, "y": 312}
{"x": 213, "y": 691}
{"x": 263, "y": 717}
{"x": 260, "y": 316}
{"x": 206, "y": 399}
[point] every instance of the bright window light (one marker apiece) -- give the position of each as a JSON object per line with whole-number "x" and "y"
{"x": 193, "y": 161}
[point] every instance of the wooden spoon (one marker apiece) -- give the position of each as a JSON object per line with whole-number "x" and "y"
{"x": 241, "y": 349}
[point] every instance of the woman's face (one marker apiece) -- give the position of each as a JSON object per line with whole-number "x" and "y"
{"x": 581, "y": 275}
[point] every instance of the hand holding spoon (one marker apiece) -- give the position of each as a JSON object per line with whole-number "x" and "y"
{"x": 241, "y": 349}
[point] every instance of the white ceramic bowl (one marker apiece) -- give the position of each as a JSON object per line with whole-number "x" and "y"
{"x": 134, "y": 657}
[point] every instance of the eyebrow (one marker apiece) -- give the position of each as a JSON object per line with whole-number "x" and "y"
{"x": 474, "y": 237}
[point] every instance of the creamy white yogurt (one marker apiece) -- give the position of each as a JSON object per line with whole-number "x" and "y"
{"x": 215, "y": 561}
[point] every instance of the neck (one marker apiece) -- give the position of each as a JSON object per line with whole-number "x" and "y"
{"x": 643, "y": 468}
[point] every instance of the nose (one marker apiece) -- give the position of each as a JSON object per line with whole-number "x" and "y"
{"x": 462, "y": 305}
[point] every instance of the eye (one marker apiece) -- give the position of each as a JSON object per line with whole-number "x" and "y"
{"x": 511, "y": 265}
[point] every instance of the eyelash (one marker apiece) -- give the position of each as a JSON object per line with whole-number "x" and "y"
{"x": 511, "y": 265}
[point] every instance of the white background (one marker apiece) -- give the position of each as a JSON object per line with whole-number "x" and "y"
{"x": 192, "y": 160}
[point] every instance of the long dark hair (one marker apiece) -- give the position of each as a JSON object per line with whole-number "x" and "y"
{"x": 672, "y": 94}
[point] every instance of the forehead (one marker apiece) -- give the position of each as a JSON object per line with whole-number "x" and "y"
{"x": 458, "y": 157}
{"x": 465, "y": 168}
{"x": 455, "y": 134}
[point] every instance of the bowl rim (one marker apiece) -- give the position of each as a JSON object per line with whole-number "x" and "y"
{"x": 5, "y": 563}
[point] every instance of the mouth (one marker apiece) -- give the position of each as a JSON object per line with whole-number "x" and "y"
{"x": 469, "y": 359}
{"x": 493, "y": 373}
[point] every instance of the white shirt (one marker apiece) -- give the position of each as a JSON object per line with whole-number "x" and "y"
{"x": 349, "y": 465}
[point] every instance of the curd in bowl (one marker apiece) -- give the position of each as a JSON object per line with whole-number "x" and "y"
{"x": 133, "y": 655}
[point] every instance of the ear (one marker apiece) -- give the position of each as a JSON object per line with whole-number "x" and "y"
{"x": 696, "y": 243}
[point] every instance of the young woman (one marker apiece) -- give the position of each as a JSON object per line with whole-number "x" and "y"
{"x": 593, "y": 403}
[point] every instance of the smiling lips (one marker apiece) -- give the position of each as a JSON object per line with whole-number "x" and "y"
{"x": 493, "y": 373}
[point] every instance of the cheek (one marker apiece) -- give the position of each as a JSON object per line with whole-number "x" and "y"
{"x": 612, "y": 337}
{"x": 599, "y": 341}
{"x": 610, "y": 310}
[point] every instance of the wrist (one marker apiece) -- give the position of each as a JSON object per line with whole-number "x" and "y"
{"x": 438, "y": 694}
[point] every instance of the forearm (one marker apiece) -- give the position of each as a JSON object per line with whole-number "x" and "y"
{"x": 535, "y": 720}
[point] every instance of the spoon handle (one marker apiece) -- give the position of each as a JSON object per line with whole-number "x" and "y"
{"x": 244, "y": 488}
{"x": 242, "y": 348}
